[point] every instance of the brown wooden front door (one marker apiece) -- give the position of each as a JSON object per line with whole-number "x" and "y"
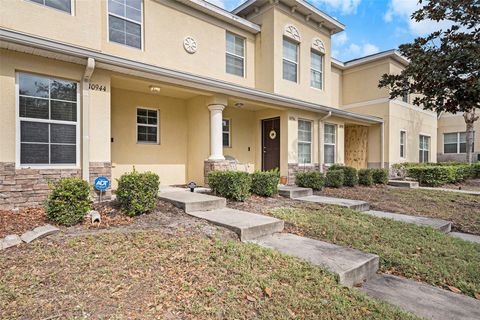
{"x": 271, "y": 144}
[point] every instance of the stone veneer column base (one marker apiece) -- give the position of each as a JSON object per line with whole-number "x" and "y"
{"x": 20, "y": 188}
{"x": 100, "y": 169}
{"x": 217, "y": 165}
{"x": 295, "y": 167}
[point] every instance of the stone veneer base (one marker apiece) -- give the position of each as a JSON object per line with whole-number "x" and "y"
{"x": 28, "y": 187}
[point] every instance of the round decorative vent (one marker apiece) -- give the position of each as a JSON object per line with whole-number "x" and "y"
{"x": 190, "y": 45}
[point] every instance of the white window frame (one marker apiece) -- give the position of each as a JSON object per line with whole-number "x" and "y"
{"x": 329, "y": 143}
{"x": 322, "y": 60}
{"x": 129, "y": 20}
{"x": 404, "y": 156}
{"x": 147, "y": 125}
{"x": 306, "y": 142}
{"x": 235, "y": 55}
{"x": 458, "y": 143}
{"x": 429, "y": 138}
{"x": 297, "y": 45}
{"x": 229, "y": 132}
{"x": 18, "y": 142}
{"x": 72, "y": 7}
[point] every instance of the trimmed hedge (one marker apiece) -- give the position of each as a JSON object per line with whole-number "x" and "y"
{"x": 434, "y": 176}
{"x": 68, "y": 201}
{"x": 334, "y": 178}
{"x": 350, "y": 175}
{"x": 265, "y": 183}
{"x": 137, "y": 192}
{"x": 380, "y": 176}
{"x": 234, "y": 185}
{"x": 313, "y": 179}
{"x": 476, "y": 170}
{"x": 365, "y": 177}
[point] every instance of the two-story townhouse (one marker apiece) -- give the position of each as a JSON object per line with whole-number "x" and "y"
{"x": 180, "y": 88}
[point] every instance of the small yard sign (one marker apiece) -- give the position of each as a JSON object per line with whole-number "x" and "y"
{"x": 101, "y": 183}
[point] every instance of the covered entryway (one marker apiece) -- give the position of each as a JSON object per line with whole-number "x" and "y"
{"x": 271, "y": 144}
{"x": 356, "y": 148}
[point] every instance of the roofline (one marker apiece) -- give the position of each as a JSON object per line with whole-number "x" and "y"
{"x": 394, "y": 54}
{"x": 221, "y": 14}
{"x": 324, "y": 15}
{"x": 226, "y": 87}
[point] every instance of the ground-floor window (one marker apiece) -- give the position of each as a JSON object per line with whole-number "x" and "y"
{"x": 48, "y": 114}
{"x": 455, "y": 142}
{"x": 403, "y": 141}
{"x": 226, "y": 133}
{"x": 329, "y": 144}
{"x": 424, "y": 149}
{"x": 147, "y": 125}
{"x": 304, "y": 142}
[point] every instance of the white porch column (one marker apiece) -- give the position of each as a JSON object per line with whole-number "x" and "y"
{"x": 216, "y": 144}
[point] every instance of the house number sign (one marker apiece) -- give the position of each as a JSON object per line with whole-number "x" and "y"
{"x": 97, "y": 87}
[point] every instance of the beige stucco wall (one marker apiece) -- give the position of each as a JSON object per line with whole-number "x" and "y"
{"x": 455, "y": 123}
{"x": 168, "y": 158}
{"x": 337, "y": 87}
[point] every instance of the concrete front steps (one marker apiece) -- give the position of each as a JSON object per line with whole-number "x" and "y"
{"x": 439, "y": 224}
{"x": 422, "y": 299}
{"x": 403, "y": 184}
{"x": 347, "y": 203}
{"x": 192, "y": 201}
{"x": 294, "y": 192}
{"x": 352, "y": 266}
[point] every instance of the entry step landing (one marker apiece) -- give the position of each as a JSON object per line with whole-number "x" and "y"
{"x": 422, "y": 299}
{"x": 403, "y": 184}
{"x": 352, "y": 266}
{"x": 439, "y": 224}
{"x": 247, "y": 225}
{"x": 348, "y": 203}
{"x": 294, "y": 192}
{"x": 192, "y": 201}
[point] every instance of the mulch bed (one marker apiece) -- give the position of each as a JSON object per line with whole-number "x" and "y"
{"x": 20, "y": 221}
{"x": 471, "y": 185}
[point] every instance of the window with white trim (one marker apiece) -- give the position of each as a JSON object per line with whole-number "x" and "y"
{"x": 455, "y": 142}
{"x": 48, "y": 114}
{"x": 316, "y": 70}
{"x": 62, "y": 5}
{"x": 290, "y": 60}
{"x": 235, "y": 54}
{"x": 147, "y": 125}
{"x": 125, "y": 22}
{"x": 304, "y": 142}
{"x": 403, "y": 142}
{"x": 226, "y": 133}
{"x": 329, "y": 143}
{"x": 424, "y": 149}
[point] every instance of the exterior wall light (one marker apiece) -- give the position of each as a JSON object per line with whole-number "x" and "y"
{"x": 238, "y": 105}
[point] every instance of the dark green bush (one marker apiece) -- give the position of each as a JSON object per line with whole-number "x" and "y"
{"x": 265, "y": 183}
{"x": 334, "y": 178}
{"x": 365, "y": 177}
{"x": 380, "y": 176}
{"x": 350, "y": 174}
{"x": 234, "y": 185}
{"x": 432, "y": 176}
{"x": 68, "y": 201}
{"x": 313, "y": 179}
{"x": 476, "y": 170}
{"x": 137, "y": 192}
{"x": 463, "y": 172}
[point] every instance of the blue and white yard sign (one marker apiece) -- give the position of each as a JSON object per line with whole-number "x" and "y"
{"x": 101, "y": 183}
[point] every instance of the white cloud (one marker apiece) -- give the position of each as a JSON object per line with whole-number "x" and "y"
{"x": 369, "y": 49}
{"x": 343, "y": 6}
{"x": 403, "y": 9}
{"x": 226, "y": 4}
{"x": 339, "y": 39}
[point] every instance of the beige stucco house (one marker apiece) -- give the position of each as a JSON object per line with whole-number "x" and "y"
{"x": 183, "y": 87}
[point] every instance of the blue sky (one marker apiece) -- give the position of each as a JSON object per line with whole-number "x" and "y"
{"x": 371, "y": 25}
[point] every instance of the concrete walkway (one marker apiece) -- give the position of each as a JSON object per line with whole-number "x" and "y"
{"x": 466, "y": 236}
{"x": 439, "y": 224}
{"x": 422, "y": 299}
{"x": 470, "y": 192}
{"x": 347, "y": 203}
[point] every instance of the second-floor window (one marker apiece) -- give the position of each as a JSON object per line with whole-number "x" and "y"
{"x": 424, "y": 148}
{"x": 235, "y": 55}
{"x": 304, "y": 142}
{"x": 125, "y": 22}
{"x": 290, "y": 60}
{"x": 63, "y": 5}
{"x": 455, "y": 142}
{"x": 316, "y": 70}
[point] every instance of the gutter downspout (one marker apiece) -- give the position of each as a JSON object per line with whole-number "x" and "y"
{"x": 85, "y": 119}
{"x": 320, "y": 139}
{"x": 382, "y": 139}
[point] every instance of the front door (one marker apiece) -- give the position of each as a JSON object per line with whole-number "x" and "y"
{"x": 271, "y": 144}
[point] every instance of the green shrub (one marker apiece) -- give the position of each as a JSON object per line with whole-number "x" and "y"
{"x": 234, "y": 185}
{"x": 432, "y": 176}
{"x": 380, "y": 176}
{"x": 350, "y": 174}
{"x": 463, "y": 172}
{"x": 313, "y": 179}
{"x": 476, "y": 170}
{"x": 68, "y": 201}
{"x": 334, "y": 178}
{"x": 265, "y": 183}
{"x": 365, "y": 177}
{"x": 137, "y": 192}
